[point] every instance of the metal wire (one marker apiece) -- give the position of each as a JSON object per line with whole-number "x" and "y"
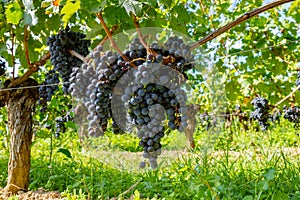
{"x": 228, "y": 55}
{"x": 28, "y": 87}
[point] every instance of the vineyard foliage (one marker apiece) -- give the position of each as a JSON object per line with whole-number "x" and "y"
{"x": 259, "y": 57}
{"x": 251, "y": 70}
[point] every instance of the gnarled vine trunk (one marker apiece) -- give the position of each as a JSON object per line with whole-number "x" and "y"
{"x": 20, "y": 105}
{"x": 192, "y": 110}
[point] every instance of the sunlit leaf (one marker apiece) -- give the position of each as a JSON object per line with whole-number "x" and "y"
{"x": 69, "y": 9}
{"x": 131, "y": 6}
{"x": 13, "y": 13}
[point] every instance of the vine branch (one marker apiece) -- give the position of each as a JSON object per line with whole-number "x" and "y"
{"x": 30, "y": 71}
{"x": 12, "y": 50}
{"x": 137, "y": 27}
{"x": 112, "y": 41}
{"x": 131, "y": 188}
{"x": 288, "y": 96}
{"x": 77, "y": 55}
{"x": 239, "y": 20}
{"x": 33, "y": 67}
{"x": 26, "y": 38}
{"x": 112, "y": 30}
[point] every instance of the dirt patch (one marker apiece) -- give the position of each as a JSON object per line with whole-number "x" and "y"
{"x": 39, "y": 194}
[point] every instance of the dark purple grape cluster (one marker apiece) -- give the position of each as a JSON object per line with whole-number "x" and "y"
{"x": 94, "y": 83}
{"x": 60, "y": 124}
{"x": 62, "y": 60}
{"x": 48, "y": 89}
{"x": 152, "y": 94}
{"x": 292, "y": 114}
{"x": 144, "y": 107}
{"x": 2, "y": 67}
{"x": 261, "y": 112}
{"x": 146, "y": 94}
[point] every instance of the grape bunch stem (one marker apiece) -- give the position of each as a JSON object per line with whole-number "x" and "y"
{"x": 112, "y": 41}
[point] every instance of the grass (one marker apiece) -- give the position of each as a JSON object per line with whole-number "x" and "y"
{"x": 238, "y": 165}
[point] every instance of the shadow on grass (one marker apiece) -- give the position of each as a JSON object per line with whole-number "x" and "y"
{"x": 199, "y": 175}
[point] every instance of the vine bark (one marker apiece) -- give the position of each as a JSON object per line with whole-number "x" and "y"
{"x": 20, "y": 105}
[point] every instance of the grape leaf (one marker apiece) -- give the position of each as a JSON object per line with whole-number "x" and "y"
{"x": 295, "y": 5}
{"x": 92, "y": 5}
{"x": 66, "y": 152}
{"x": 131, "y": 6}
{"x": 2, "y": 47}
{"x": 69, "y": 9}
{"x": 270, "y": 174}
{"x": 13, "y": 13}
{"x": 248, "y": 197}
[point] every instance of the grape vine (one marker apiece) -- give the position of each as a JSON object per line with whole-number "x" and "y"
{"x": 63, "y": 62}
{"x": 60, "y": 124}
{"x": 145, "y": 94}
{"x": 261, "y": 112}
{"x": 292, "y": 114}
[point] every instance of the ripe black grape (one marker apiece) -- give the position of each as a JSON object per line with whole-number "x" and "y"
{"x": 261, "y": 112}
{"x": 292, "y": 114}
{"x": 153, "y": 86}
{"x": 60, "y": 124}
{"x": 63, "y": 62}
{"x": 46, "y": 91}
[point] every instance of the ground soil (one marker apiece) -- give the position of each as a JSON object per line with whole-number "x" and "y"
{"x": 39, "y": 194}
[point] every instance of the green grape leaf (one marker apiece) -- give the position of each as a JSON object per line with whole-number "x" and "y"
{"x": 53, "y": 22}
{"x": 69, "y": 9}
{"x": 248, "y": 197}
{"x": 2, "y": 47}
{"x": 270, "y": 174}
{"x": 66, "y": 152}
{"x": 131, "y": 6}
{"x": 92, "y": 5}
{"x": 245, "y": 85}
{"x": 13, "y": 13}
{"x": 94, "y": 32}
{"x": 70, "y": 124}
{"x": 183, "y": 14}
{"x": 295, "y": 5}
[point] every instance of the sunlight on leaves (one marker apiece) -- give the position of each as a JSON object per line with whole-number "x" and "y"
{"x": 69, "y": 9}
{"x": 131, "y": 6}
{"x": 13, "y": 13}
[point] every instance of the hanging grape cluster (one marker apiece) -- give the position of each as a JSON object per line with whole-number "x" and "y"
{"x": 60, "y": 124}
{"x": 63, "y": 62}
{"x": 152, "y": 95}
{"x": 292, "y": 114}
{"x": 2, "y": 67}
{"x": 48, "y": 88}
{"x": 261, "y": 112}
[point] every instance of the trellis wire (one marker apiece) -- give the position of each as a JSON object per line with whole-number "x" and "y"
{"x": 228, "y": 55}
